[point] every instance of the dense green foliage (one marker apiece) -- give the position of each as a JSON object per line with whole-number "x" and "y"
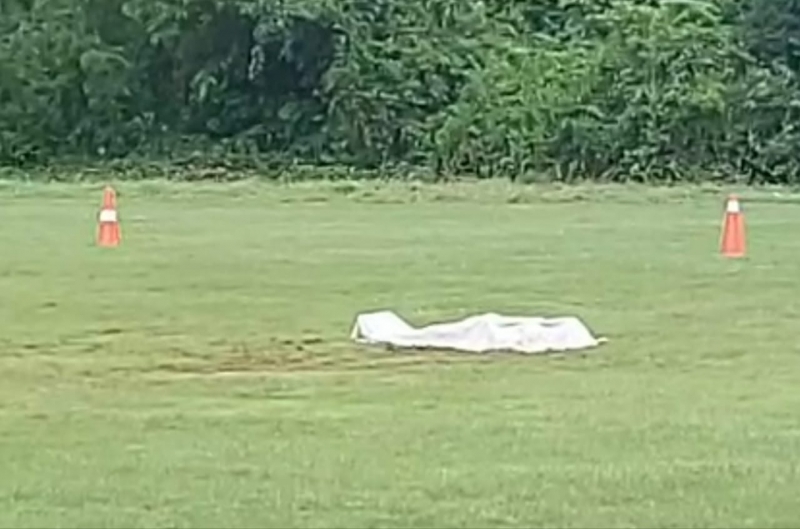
{"x": 613, "y": 89}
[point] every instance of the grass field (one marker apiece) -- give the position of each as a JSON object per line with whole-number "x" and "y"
{"x": 201, "y": 374}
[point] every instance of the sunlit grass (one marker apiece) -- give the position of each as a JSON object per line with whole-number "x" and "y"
{"x": 202, "y": 373}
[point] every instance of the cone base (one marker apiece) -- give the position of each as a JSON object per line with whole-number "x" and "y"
{"x": 732, "y": 244}
{"x": 109, "y": 235}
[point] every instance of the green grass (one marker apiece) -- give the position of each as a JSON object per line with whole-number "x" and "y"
{"x": 201, "y": 374}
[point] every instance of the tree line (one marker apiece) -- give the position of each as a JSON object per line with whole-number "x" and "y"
{"x": 615, "y": 90}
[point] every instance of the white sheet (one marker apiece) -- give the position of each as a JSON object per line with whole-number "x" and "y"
{"x": 478, "y": 334}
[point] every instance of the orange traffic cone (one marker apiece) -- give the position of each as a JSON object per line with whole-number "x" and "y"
{"x": 108, "y": 233}
{"x": 732, "y": 244}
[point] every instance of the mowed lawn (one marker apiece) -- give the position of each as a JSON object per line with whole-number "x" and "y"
{"x": 201, "y": 375}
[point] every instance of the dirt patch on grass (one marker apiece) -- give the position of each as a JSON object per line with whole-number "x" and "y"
{"x": 310, "y": 356}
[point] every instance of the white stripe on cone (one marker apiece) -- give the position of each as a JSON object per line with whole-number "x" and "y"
{"x": 108, "y": 215}
{"x": 733, "y": 206}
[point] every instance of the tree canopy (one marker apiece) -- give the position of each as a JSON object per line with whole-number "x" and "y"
{"x": 617, "y": 90}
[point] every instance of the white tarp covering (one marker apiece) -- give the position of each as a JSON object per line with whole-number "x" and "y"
{"x": 478, "y": 334}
